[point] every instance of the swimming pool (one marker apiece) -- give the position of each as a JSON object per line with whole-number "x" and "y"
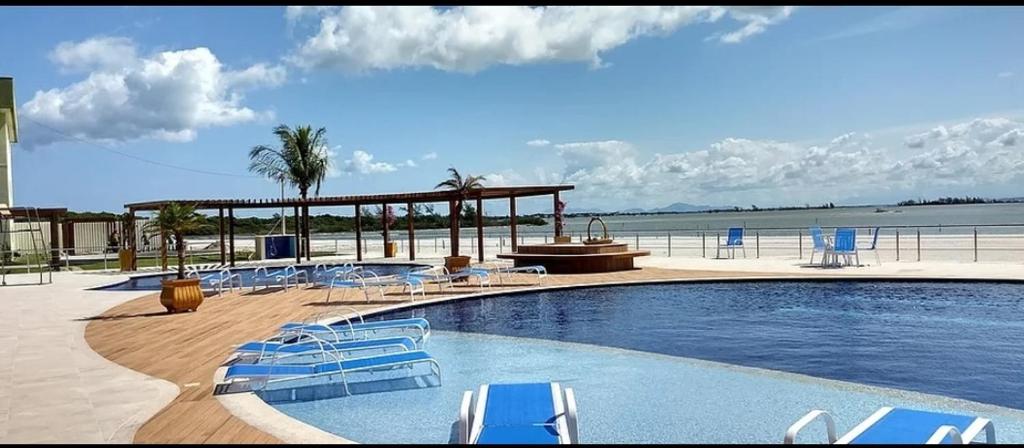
{"x": 152, "y": 282}
{"x": 714, "y": 362}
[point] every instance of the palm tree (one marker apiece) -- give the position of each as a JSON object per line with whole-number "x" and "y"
{"x": 177, "y": 219}
{"x": 462, "y": 186}
{"x": 302, "y": 161}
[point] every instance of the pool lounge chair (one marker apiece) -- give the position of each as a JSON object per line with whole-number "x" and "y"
{"x": 282, "y": 276}
{"x": 349, "y": 330}
{"x": 527, "y": 413}
{"x": 733, "y": 240}
{"x": 844, "y": 244}
{"x": 322, "y": 273}
{"x": 333, "y": 364}
{"x": 367, "y": 280}
{"x": 259, "y": 351}
{"x": 819, "y": 244}
{"x": 441, "y": 276}
{"x": 218, "y": 280}
{"x": 502, "y": 270}
{"x": 891, "y": 425}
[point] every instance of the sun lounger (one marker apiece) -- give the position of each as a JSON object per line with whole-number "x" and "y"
{"x": 348, "y": 330}
{"x": 503, "y": 270}
{"x": 366, "y": 280}
{"x": 218, "y": 280}
{"x": 440, "y": 276}
{"x": 282, "y": 276}
{"x": 258, "y": 351}
{"x": 323, "y": 274}
{"x": 529, "y": 413}
{"x": 333, "y": 364}
{"x": 733, "y": 240}
{"x": 891, "y": 425}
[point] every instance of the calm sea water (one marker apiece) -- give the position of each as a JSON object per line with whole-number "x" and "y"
{"x": 931, "y": 215}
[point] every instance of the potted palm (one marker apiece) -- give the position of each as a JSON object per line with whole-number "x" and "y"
{"x": 462, "y": 186}
{"x": 179, "y": 294}
{"x": 126, "y": 251}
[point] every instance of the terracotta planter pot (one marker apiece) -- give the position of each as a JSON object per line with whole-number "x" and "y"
{"x": 125, "y": 258}
{"x": 390, "y": 250}
{"x": 456, "y": 264}
{"x": 181, "y": 295}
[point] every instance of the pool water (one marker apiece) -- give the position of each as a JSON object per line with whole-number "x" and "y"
{"x": 713, "y": 362}
{"x": 152, "y": 282}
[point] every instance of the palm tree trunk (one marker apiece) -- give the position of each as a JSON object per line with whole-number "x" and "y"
{"x": 455, "y": 215}
{"x": 181, "y": 255}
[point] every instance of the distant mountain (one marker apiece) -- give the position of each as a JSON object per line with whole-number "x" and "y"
{"x": 633, "y": 210}
{"x": 681, "y": 207}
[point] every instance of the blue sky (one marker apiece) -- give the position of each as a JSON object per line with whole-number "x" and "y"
{"x": 638, "y": 107}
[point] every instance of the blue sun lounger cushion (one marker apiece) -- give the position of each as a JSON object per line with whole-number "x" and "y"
{"x": 891, "y": 425}
{"x": 526, "y": 413}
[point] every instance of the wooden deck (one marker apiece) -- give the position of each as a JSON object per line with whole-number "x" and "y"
{"x": 186, "y": 349}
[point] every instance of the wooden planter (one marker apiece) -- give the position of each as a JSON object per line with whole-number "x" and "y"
{"x": 181, "y": 295}
{"x": 390, "y": 250}
{"x": 125, "y": 258}
{"x": 456, "y": 264}
{"x": 563, "y": 239}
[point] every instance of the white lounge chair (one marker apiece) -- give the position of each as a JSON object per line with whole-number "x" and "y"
{"x": 368, "y": 279}
{"x": 891, "y": 425}
{"x": 528, "y": 413}
{"x": 217, "y": 281}
{"x": 281, "y": 276}
{"x": 503, "y": 270}
{"x": 439, "y": 275}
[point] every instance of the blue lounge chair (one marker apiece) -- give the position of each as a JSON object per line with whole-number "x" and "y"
{"x": 323, "y": 274}
{"x": 733, "y": 240}
{"x": 891, "y": 425}
{"x": 503, "y": 270}
{"x": 282, "y": 276}
{"x": 332, "y": 364}
{"x": 440, "y": 276}
{"x": 348, "y": 330}
{"x": 259, "y": 351}
{"x": 217, "y": 281}
{"x": 819, "y": 244}
{"x": 528, "y": 413}
{"x": 844, "y": 244}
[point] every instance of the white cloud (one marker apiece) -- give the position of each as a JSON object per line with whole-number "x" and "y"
{"x": 1004, "y": 75}
{"x": 471, "y": 38}
{"x": 410, "y": 163}
{"x": 97, "y": 53}
{"x": 362, "y": 163}
{"x": 429, "y": 156}
{"x": 168, "y": 96}
{"x": 614, "y": 174}
{"x": 538, "y": 142}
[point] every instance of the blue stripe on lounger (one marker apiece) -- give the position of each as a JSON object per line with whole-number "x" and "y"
{"x": 533, "y": 435}
{"x": 519, "y": 404}
{"x": 910, "y": 426}
{"x": 391, "y": 358}
{"x": 393, "y": 323}
{"x": 261, "y": 370}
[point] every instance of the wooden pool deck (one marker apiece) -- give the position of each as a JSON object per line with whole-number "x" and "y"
{"x": 186, "y": 349}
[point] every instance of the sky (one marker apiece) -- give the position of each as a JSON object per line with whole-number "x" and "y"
{"x": 635, "y": 106}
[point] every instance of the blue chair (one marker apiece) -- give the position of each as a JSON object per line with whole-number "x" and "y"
{"x": 527, "y": 413}
{"x": 819, "y": 243}
{"x": 732, "y": 241}
{"x": 891, "y": 425}
{"x": 874, "y": 246}
{"x": 844, "y": 244}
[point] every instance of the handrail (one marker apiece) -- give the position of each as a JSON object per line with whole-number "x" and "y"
{"x": 830, "y": 426}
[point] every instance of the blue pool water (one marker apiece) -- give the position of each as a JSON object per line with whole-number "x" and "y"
{"x": 633, "y": 354}
{"x": 152, "y": 282}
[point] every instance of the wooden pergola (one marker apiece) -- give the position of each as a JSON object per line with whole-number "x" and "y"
{"x": 301, "y": 209}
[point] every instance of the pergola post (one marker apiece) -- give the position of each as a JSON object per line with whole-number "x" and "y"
{"x": 308, "y": 243}
{"x": 220, "y": 230}
{"x": 453, "y": 228}
{"x": 69, "y": 236}
{"x": 384, "y": 226}
{"x": 512, "y": 222}
{"x": 359, "y": 233}
{"x": 558, "y": 217}
{"x": 54, "y": 240}
{"x": 131, "y": 231}
{"x": 480, "y": 229}
{"x": 231, "y": 234}
{"x": 298, "y": 238}
{"x": 410, "y": 216}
